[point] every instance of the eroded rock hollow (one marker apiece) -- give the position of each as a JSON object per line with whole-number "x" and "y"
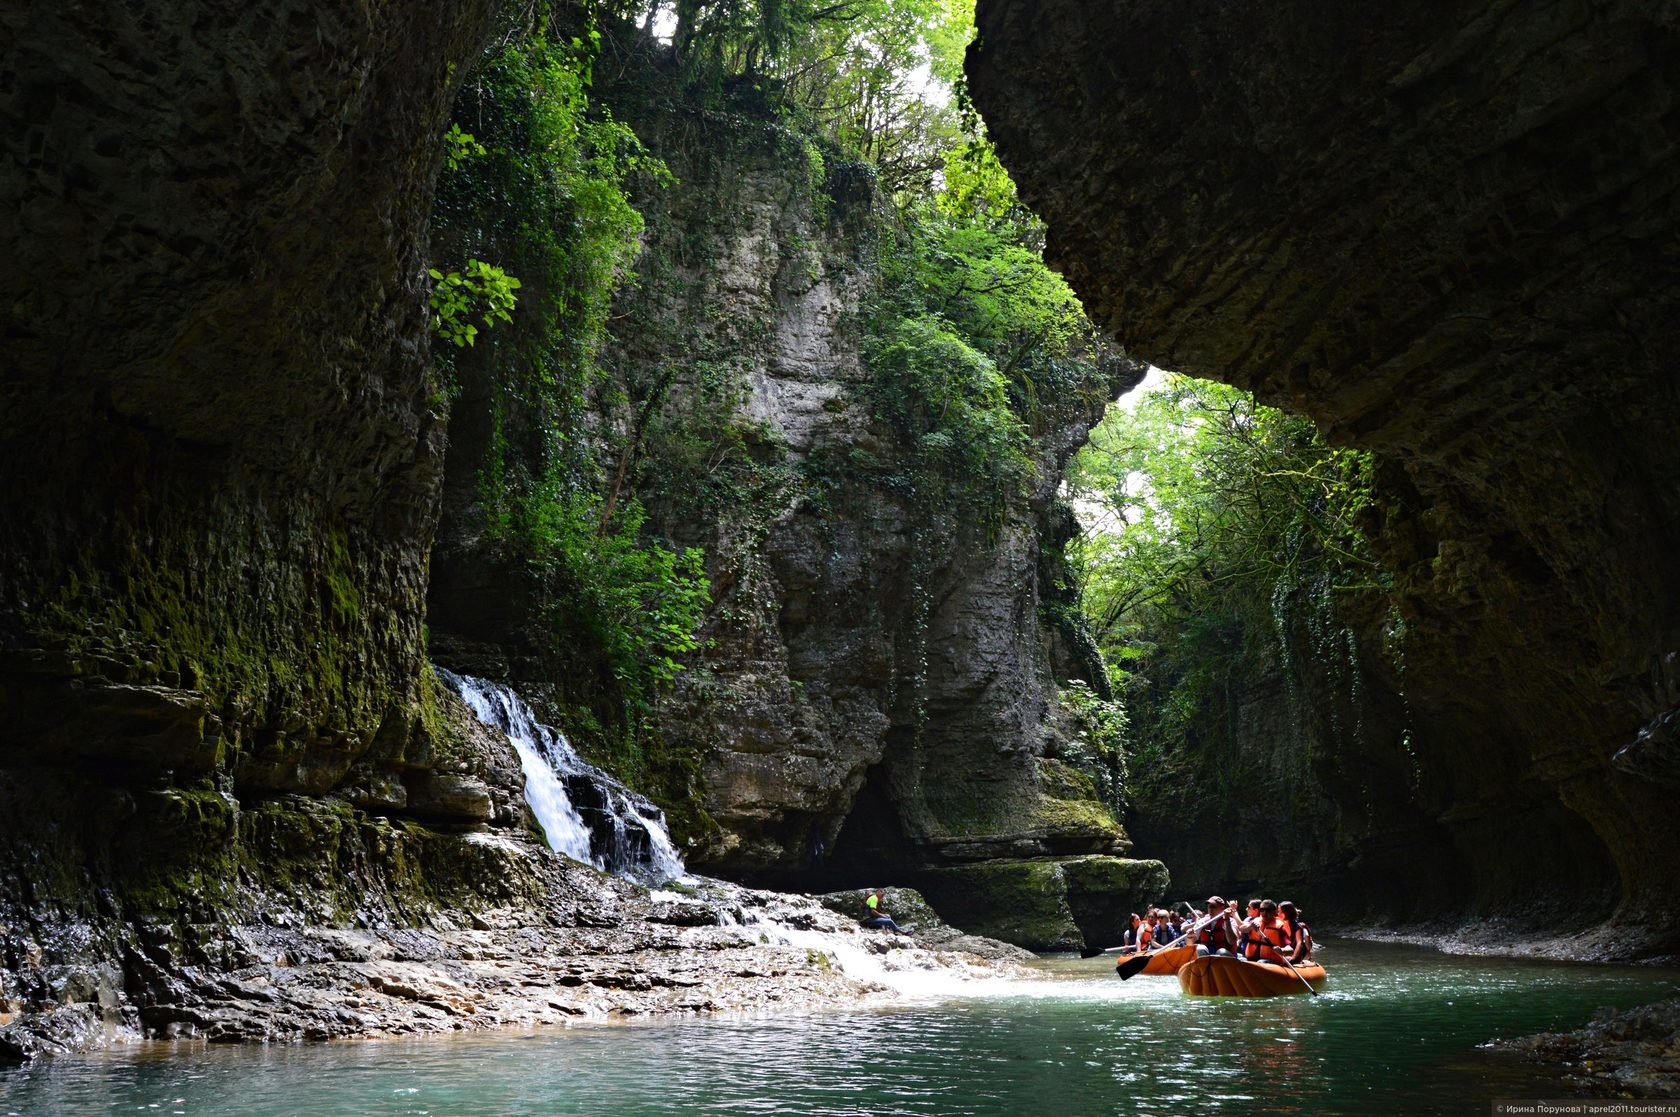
{"x": 1448, "y": 234}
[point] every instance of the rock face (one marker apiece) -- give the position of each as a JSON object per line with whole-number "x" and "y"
{"x": 218, "y": 467}
{"x": 878, "y": 694}
{"x": 1447, "y": 234}
{"x": 218, "y": 478}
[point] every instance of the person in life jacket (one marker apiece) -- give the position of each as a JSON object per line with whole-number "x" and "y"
{"x": 1145, "y": 936}
{"x": 1218, "y": 932}
{"x": 1129, "y": 940}
{"x": 1267, "y": 939}
{"x": 1298, "y": 931}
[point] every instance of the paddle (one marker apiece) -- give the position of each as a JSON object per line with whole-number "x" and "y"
{"x": 1295, "y": 971}
{"x": 1088, "y": 952}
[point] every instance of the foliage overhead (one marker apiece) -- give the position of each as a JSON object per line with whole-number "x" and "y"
{"x": 1200, "y": 497}
{"x": 873, "y": 77}
{"x": 537, "y": 178}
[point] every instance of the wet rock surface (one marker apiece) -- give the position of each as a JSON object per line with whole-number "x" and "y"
{"x": 1632, "y": 1054}
{"x": 916, "y": 917}
{"x": 187, "y": 912}
{"x": 598, "y": 948}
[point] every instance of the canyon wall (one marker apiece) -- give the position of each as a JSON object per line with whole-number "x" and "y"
{"x": 219, "y": 467}
{"x": 1447, "y": 235}
{"x": 877, "y": 697}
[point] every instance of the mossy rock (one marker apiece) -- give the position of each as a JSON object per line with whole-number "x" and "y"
{"x": 908, "y": 907}
{"x": 1046, "y": 904}
{"x": 1020, "y": 902}
{"x": 1102, "y": 892}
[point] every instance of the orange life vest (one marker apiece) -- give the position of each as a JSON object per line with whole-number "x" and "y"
{"x": 1268, "y": 944}
{"x": 1216, "y": 935}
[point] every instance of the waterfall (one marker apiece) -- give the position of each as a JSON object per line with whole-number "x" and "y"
{"x": 585, "y": 813}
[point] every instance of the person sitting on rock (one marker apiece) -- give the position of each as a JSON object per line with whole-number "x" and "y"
{"x": 875, "y": 916}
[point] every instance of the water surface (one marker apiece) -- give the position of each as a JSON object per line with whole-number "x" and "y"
{"x": 1394, "y": 1032}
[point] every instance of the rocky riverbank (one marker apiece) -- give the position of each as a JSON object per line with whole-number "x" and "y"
{"x": 1625, "y": 1054}
{"x": 1602, "y": 942}
{"x": 602, "y": 949}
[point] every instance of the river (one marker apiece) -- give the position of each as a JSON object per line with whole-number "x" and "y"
{"x": 1394, "y": 1032}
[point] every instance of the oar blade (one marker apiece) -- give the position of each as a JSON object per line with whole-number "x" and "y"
{"x": 1131, "y": 967}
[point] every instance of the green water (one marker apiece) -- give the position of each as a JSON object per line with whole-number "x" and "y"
{"x": 1395, "y": 1031}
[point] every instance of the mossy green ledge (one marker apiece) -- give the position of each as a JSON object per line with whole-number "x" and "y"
{"x": 1046, "y": 904}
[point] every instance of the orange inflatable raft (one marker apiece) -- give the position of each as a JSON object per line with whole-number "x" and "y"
{"x": 1232, "y": 977}
{"x": 1163, "y": 962}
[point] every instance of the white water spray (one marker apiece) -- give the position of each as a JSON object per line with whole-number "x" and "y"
{"x": 625, "y": 833}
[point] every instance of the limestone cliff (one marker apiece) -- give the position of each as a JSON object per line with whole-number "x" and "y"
{"x": 1446, "y": 233}
{"x": 878, "y": 698}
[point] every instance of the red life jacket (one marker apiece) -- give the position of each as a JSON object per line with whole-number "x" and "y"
{"x": 1216, "y": 936}
{"x": 1268, "y": 944}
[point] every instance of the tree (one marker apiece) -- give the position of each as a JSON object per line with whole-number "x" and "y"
{"x": 1197, "y": 488}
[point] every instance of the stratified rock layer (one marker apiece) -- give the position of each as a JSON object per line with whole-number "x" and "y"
{"x": 218, "y": 480}
{"x": 1447, "y": 233}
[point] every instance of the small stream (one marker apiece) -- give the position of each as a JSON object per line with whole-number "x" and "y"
{"x": 1396, "y": 1032}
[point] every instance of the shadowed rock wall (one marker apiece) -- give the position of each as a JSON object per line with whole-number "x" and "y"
{"x": 218, "y": 465}
{"x": 218, "y": 476}
{"x": 1447, "y": 233}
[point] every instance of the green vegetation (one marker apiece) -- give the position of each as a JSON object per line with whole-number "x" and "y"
{"x": 1203, "y": 488}
{"x": 639, "y": 604}
{"x": 483, "y": 289}
{"x": 1224, "y": 533}
{"x": 974, "y": 344}
{"x": 869, "y": 77}
{"x": 604, "y": 457}
{"x": 538, "y": 178}
{"x": 1098, "y": 747}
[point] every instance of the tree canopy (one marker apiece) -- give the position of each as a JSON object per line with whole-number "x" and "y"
{"x": 1198, "y": 494}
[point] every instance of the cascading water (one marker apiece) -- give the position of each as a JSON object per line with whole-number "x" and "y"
{"x": 586, "y": 814}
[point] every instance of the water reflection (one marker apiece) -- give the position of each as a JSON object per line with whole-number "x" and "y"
{"x": 1395, "y": 1032}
